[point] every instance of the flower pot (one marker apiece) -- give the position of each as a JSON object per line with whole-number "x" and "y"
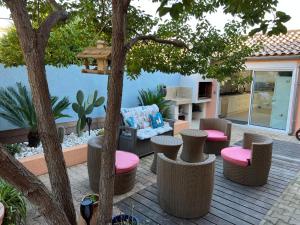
{"x": 81, "y": 221}
{"x": 2, "y": 211}
{"x": 33, "y": 139}
{"x": 124, "y": 219}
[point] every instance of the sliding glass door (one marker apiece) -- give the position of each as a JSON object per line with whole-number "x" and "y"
{"x": 270, "y": 99}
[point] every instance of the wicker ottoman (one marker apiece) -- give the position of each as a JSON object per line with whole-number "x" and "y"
{"x": 126, "y": 166}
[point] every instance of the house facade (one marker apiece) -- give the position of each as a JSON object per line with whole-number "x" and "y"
{"x": 272, "y": 100}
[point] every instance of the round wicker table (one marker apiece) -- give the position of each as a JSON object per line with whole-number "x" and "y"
{"x": 193, "y": 144}
{"x": 165, "y": 144}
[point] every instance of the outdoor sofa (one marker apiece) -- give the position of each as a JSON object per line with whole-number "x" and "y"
{"x": 136, "y": 137}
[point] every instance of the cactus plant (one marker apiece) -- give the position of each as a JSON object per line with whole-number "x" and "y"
{"x": 85, "y": 107}
{"x": 61, "y": 134}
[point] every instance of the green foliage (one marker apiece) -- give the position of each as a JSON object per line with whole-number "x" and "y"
{"x": 14, "y": 204}
{"x": 13, "y": 148}
{"x": 100, "y": 132}
{"x": 212, "y": 53}
{"x": 251, "y": 13}
{"x": 149, "y": 97}
{"x": 64, "y": 44}
{"x": 17, "y": 106}
{"x": 85, "y": 107}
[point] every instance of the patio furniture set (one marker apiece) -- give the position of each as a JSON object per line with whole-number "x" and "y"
{"x": 185, "y": 183}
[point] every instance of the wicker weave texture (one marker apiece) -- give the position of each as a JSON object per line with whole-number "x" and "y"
{"x": 256, "y": 174}
{"x": 139, "y": 147}
{"x": 123, "y": 182}
{"x": 193, "y": 144}
{"x": 215, "y": 147}
{"x": 185, "y": 189}
{"x": 166, "y": 144}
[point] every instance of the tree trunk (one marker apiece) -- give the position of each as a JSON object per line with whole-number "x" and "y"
{"x": 111, "y": 126}
{"x": 34, "y": 52}
{"x": 32, "y": 188}
{"x": 47, "y": 131}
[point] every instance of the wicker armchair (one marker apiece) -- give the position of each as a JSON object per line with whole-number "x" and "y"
{"x": 128, "y": 140}
{"x": 214, "y": 144}
{"x": 185, "y": 189}
{"x": 257, "y": 171}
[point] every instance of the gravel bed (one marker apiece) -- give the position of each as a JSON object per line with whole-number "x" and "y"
{"x": 69, "y": 141}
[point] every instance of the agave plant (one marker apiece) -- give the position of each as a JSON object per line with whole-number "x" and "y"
{"x": 149, "y": 97}
{"x": 16, "y": 106}
{"x": 14, "y": 204}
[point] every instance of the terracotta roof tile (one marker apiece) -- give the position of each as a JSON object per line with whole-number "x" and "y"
{"x": 277, "y": 45}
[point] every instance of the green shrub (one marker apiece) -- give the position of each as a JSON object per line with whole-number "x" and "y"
{"x": 13, "y": 148}
{"x": 150, "y": 97}
{"x": 14, "y": 204}
{"x": 16, "y": 106}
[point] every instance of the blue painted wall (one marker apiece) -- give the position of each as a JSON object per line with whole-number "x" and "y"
{"x": 67, "y": 81}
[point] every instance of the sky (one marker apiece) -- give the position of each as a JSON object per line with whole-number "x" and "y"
{"x": 291, "y": 7}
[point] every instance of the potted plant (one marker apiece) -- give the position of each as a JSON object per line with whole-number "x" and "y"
{"x": 124, "y": 219}
{"x": 16, "y": 106}
{"x": 14, "y": 205}
{"x": 157, "y": 96}
{"x": 95, "y": 201}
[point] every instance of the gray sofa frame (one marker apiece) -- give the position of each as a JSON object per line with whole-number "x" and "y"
{"x": 131, "y": 143}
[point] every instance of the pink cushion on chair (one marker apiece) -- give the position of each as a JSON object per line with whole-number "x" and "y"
{"x": 237, "y": 155}
{"x": 126, "y": 162}
{"x": 216, "y": 135}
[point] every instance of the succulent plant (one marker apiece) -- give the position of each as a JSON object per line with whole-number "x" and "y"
{"x": 100, "y": 132}
{"x": 13, "y": 148}
{"x": 85, "y": 107}
{"x": 61, "y": 134}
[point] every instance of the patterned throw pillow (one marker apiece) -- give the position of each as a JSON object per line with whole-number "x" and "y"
{"x": 156, "y": 120}
{"x": 131, "y": 122}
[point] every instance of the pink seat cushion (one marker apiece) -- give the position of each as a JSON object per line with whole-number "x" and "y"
{"x": 216, "y": 135}
{"x": 126, "y": 162}
{"x": 237, "y": 155}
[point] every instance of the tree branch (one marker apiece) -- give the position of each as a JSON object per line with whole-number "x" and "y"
{"x": 32, "y": 188}
{"x": 174, "y": 42}
{"x": 59, "y": 15}
{"x": 55, "y": 5}
{"x": 126, "y": 4}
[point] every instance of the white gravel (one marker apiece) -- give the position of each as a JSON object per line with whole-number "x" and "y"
{"x": 69, "y": 141}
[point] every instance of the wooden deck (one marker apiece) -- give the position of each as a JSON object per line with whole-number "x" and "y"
{"x": 231, "y": 203}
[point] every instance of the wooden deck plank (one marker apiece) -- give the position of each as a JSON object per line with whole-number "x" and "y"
{"x": 232, "y": 203}
{"x": 270, "y": 187}
{"x": 138, "y": 207}
{"x": 241, "y": 201}
{"x": 248, "y": 212}
{"x": 155, "y": 207}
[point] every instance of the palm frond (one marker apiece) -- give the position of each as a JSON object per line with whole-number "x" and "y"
{"x": 59, "y": 106}
{"x": 10, "y": 109}
{"x": 16, "y": 106}
{"x": 149, "y": 97}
